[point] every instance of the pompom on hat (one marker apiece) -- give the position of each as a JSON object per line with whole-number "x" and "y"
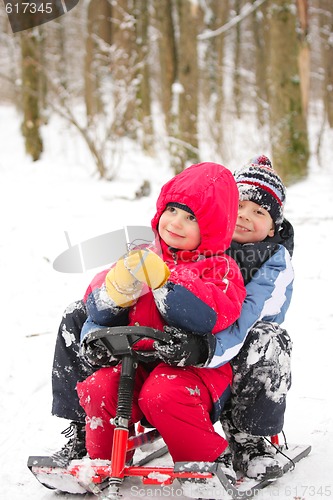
{"x": 258, "y": 182}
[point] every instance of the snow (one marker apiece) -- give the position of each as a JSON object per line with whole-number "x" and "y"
{"x": 41, "y": 201}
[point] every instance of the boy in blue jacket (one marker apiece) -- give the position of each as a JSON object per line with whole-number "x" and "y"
{"x": 261, "y": 369}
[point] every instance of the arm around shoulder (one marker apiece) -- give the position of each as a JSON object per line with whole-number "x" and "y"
{"x": 268, "y": 298}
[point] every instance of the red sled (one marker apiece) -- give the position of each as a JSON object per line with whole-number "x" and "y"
{"x": 104, "y": 478}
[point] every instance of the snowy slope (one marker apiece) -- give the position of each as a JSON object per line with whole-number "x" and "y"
{"x": 39, "y": 202}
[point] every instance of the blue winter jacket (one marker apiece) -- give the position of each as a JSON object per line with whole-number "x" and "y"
{"x": 268, "y": 298}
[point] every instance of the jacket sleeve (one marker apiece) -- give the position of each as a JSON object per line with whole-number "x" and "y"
{"x": 204, "y": 298}
{"x": 268, "y": 298}
{"x": 101, "y": 309}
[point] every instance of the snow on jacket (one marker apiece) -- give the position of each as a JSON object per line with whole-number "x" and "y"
{"x": 205, "y": 290}
{"x": 268, "y": 293}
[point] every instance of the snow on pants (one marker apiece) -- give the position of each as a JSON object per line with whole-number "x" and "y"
{"x": 68, "y": 368}
{"x": 174, "y": 400}
{"x": 262, "y": 378}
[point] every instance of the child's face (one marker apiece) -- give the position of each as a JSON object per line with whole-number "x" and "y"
{"x": 253, "y": 224}
{"x": 179, "y": 229}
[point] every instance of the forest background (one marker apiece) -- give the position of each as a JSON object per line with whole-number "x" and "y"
{"x": 177, "y": 76}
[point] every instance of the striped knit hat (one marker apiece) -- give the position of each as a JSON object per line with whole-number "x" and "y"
{"x": 258, "y": 182}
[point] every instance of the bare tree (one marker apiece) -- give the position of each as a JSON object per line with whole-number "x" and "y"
{"x": 261, "y": 42}
{"x": 186, "y": 94}
{"x": 304, "y": 52}
{"x": 31, "y": 93}
{"x": 167, "y": 56}
{"x": 98, "y": 40}
{"x": 326, "y": 18}
{"x": 124, "y": 66}
{"x": 212, "y": 72}
{"x": 144, "y": 98}
{"x": 288, "y": 126}
{"x": 237, "y": 83}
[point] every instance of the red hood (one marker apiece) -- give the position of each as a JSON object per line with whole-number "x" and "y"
{"x": 209, "y": 189}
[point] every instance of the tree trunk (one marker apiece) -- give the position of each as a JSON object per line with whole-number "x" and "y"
{"x": 212, "y": 74}
{"x": 288, "y": 129}
{"x": 30, "y": 93}
{"x": 326, "y": 18}
{"x": 237, "y": 89}
{"x": 186, "y": 95}
{"x": 261, "y": 40}
{"x": 144, "y": 115}
{"x": 124, "y": 67}
{"x": 304, "y": 53}
{"x": 98, "y": 35}
{"x": 167, "y": 57}
{"x": 42, "y": 80}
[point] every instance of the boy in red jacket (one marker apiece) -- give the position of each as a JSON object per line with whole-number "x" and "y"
{"x": 193, "y": 286}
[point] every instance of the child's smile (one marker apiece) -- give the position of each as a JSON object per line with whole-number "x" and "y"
{"x": 254, "y": 223}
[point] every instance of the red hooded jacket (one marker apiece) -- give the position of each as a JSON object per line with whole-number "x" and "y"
{"x": 205, "y": 291}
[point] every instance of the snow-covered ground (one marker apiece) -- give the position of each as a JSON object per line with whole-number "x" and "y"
{"x": 40, "y": 201}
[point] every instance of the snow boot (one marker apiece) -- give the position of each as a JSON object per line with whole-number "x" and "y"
{"x": 251, "y": 455}
{"x": 255, "y": 458}
{"x": 226, "y": 462}
{"x": 75, "y": 448}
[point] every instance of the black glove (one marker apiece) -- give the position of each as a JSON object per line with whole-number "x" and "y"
{"x": 97, "y": 355}
{"x": 184, "y": 349}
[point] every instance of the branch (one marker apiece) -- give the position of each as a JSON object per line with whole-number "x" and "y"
{"x": 245, "y": 11}
{"x": 187, "y": 145}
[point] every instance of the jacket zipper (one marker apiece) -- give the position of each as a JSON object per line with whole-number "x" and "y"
{"x": 174, "y": 257}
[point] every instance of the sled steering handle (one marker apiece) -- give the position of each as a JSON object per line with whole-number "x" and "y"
{"x": 120, "y": 339}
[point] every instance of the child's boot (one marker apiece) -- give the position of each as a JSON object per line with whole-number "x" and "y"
{"x": 252, "y": 455}
{"x": 75, "y": 448}
{"x": 255, "y": 458}
{"x": 226, "y": 462}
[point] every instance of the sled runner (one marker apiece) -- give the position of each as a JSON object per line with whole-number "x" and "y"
{"x": 105, "y": 477}
{"x": 244, "y": 487}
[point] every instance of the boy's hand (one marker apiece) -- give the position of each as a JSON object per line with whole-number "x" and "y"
{"x": 147, "y": 267}
{"x": 122, "y": 286}
{"x": 185, "y": 349}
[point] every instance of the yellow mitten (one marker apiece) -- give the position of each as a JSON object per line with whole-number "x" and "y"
{"x": 122, "y": 286}
{"x": 147, "y": 267}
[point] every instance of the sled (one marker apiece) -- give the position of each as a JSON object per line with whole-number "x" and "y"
{"x": 104, "y": 478}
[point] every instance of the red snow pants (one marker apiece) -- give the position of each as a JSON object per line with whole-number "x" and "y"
{"x": 174, "y": 400}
